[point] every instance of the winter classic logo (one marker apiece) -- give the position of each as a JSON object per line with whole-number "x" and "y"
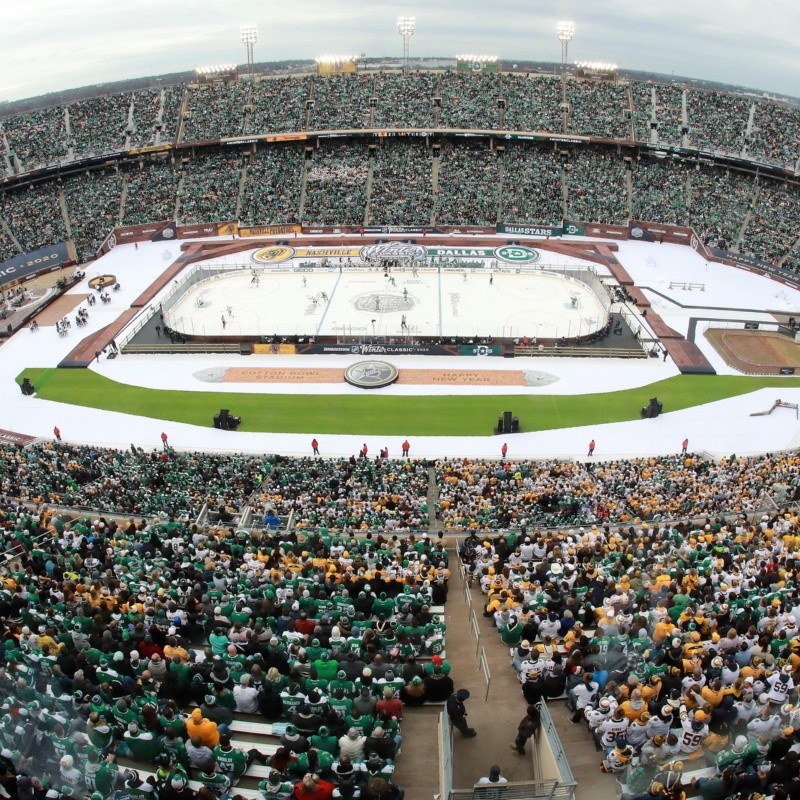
{"x": 517, "y": 254}
{"x": 637, "y": 232}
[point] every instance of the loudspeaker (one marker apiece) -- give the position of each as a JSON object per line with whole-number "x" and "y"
{"x": 245, "y": 349}
{"x": 507, "y": 421}
{"x": 26, "y": 387}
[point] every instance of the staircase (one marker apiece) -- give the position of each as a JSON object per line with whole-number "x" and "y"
{"x": 747, "y": 217}
{"x": 501, "y": 180}
{"x": 628, "y": 177}
{"x": 242, "y": 182}
{"x": 302, "y": 210}
{"x": 62, "y": 202}
{"x": 435, "y": 164}
{"x": 123, "y": 196}
{"x": 370, "y": 173}
{"x": 792, "y": 249}
{"x": 129, "y": 128}
{"x": 178, "y": 193}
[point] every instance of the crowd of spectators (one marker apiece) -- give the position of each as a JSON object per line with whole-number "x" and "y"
{"x": 468, "y": 190}
{"x": 336, "y": 185}
{"x": 93, "y": 207}
{"x": 597, "y": 189}
{"x": 720, "y": 202}
{"x": 214, "y": 110}
{"x": 776, "y": 132}
{"x": 598, "y": 108}
{"x": 349, "y": 495}
{"x": 402, "y": 184}
{"x": 7, "y": 248}
{"x": 660, "y": 192}
{"x": 37, "y": 138}
{"x": 278, "y": 105}
{"x": 485, "y": 496}
{"x": 404, "y": 101}
{"x": 717, "y": 121}
{"x": 150, "y": 194}
{"x": 532, "y": 184}
{"x": 155, "y": 116}
{"x": 469, "y": 101}
{"x": 98, "y": 125}
{"x": 176, "y": 485}
{"x": 341, "y": 102}
{"x": 141, "y": 644}
{"x": 532, "y": 103}
{"x": 676, "y": 646}
{"x": 272, "y": 188}
{"x": 772, "y": 230}
{"x": 210, "y": 186}
{"x": 34, "y": 215}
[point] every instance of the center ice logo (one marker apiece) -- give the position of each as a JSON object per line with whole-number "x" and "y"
{"x": 517, "y": 254}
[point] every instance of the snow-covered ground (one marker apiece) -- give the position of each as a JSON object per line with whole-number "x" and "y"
{"x": 719, "y": 428}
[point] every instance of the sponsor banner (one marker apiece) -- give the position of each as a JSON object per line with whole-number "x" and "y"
{"x": 786, "y": 371}
{"x": 607, "y": 231}
{"x": 227, "y": 229}
{"x": 751, "y": 326}
{"x": 399, "y": 229}
{"x": 460, "y": 252}
{"x": 267, "y": 230}
{"x": 529, "y": 230}
{"x": 639, "y": 233}
{"x": 378, "y": 349}
{"x": 194, "y": 231}
{"x": 276, "y": 254}
{"x": 479, "y": 350}
{"x": 26, "y": 264}
{"x": 572, "y": 228}
{"x": 151, "y": 148}
{"x": 128, "y": 234}
{"x": 11, "y": 437}
{"x": 274, "y": 349}
{"x": 166, "y": 234}
{"x": 699, "y": 246}
{"x": 743, "y": 260}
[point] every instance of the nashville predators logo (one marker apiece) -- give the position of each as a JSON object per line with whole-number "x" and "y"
{"x": 273, "y": 255}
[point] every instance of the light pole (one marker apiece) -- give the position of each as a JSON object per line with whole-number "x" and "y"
{"x": 405, "y": 27}
{"x": 249, "y": 38}
{"x": 565, "y": 30}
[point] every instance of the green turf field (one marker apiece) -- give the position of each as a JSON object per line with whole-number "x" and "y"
{"x": 372, "y": 413}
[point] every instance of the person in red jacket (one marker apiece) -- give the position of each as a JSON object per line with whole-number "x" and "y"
{"x": 406, "y": 448}
{"x": 315, "y": 446}
{"x": 504, "y": 450}
{"x": 390, "y": 706}
{"x": 312, "y": 788}
{"x": 591, "y": 448}
{"x": 57, "y": 433}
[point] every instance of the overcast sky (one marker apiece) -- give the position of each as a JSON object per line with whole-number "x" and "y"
{"x": 51, "y": 45}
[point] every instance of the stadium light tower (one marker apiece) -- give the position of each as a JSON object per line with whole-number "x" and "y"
{"x": 565, "y": 30}
{"x": 249, "y": 38}
{"x": 405, "y": 27}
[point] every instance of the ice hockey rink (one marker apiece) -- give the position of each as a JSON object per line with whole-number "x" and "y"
{"x": 317, "y": 296}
